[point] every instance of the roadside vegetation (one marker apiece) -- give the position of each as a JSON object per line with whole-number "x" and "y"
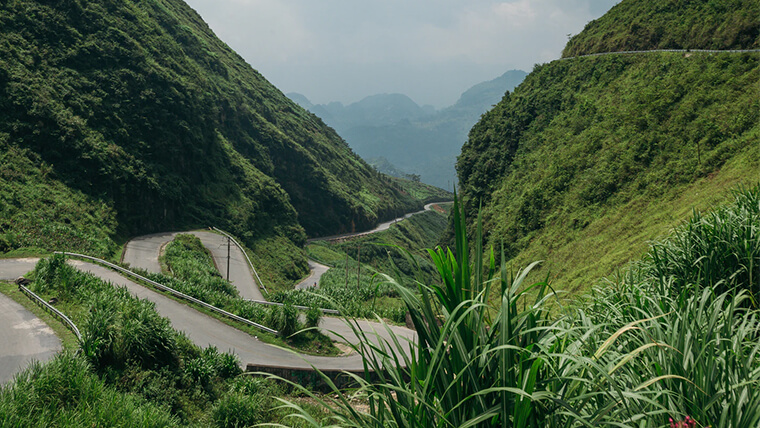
{"x": 673, "y": 338}
{"x": 133, "y": 368}
{"x": 191, "y": 271}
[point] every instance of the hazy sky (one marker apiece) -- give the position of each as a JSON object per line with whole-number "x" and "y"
{"x": 431, "y": 50}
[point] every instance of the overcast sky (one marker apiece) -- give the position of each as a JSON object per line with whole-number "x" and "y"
{"x": 430, "y": 50}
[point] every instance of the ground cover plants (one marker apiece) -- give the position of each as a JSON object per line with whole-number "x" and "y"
{"x": 133, "y": 369}
{"x": 644, "y": 351}
{"x": 590, "y": 158}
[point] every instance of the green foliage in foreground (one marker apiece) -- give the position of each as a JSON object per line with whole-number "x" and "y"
{"x": 721, "y": 248}
{"x": 66, "y": 393}
{"x": 640, "y": 353}
{"x": 670, "y": 24}
{"x": 592, "y": 157}
{"x": 133, "y": 369}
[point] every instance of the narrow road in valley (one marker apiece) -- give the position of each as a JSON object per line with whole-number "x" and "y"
{"x": 379, "y": 228}
{"x": 144, "y": 252}
{"x": 202, "y": 329}
{"x": 24, "y": 336}
{"x": 318, "y": 269}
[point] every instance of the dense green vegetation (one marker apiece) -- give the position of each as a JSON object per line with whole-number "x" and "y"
{"x": 127, "y": 117}
{"x": 133, "y": 370}
{"x": 589, "y": 158}
{"x": 641, "y": 353}
{"x": 671, "y": 24}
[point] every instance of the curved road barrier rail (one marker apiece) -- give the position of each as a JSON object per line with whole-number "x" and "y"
{"x": 173, "y": 292}
{"x": 261, "y": 284}
{"x": 45, "y": 305}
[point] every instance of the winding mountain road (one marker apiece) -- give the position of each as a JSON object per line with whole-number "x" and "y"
{"x": 202, "y": 329}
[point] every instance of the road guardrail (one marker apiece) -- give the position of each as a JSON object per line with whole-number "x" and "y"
{"x": 47, "y": 306}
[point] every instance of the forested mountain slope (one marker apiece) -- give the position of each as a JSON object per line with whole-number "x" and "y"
{"x": 592, "y": 157}
{"x": 126, "y": 117}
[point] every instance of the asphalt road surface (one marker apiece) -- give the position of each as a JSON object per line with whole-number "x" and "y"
{"x": 143, "y": 252}
{"x": 317, "y": 270}
{"x": 204, "y": 330}
{"x": 24, "y": 337}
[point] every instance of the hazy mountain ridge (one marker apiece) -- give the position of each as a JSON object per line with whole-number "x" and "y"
{"x": 415, "y": 139}
{"x": 136, "y": 111}
{"x": 590, "y": 158}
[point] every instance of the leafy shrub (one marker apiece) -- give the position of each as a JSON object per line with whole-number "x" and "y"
{"x": 313, "y": 316}
{"x": 65, "y": 392}
{"x": 284, "y": 319}
{"x": 236, "y": 410}
{"x": 638, "y": 355}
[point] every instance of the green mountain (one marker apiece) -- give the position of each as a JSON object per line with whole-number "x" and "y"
{"x": 589, "y": 158}
{"x": 128, "y": 117}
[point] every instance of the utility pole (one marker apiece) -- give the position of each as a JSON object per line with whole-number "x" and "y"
{"x": 228, "y": 258}
{"x": 358, "y": 265}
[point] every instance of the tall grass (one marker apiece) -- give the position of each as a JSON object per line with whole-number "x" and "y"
{"x": 478, "y": 363}
{"x": 65, "y": 393}
{"x": 188, "y": 260}
{"x": 701, "y": 347}
{"x": 638, "y": 355}
{"x": 720, "y": 248}
{"x": 361, "y": 293}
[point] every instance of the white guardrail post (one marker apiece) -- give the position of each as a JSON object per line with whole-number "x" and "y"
{"x": 174, "y": 292}
{"x": 261, "y": 284}
{"x": 50, "y": 308}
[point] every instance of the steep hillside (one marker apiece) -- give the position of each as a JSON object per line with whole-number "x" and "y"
{"x": 128, "y": 117}
{"x": 589, "y": 158}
